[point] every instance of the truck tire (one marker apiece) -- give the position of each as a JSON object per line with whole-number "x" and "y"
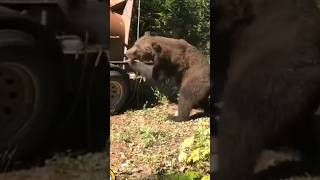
{"x": 30, "y": 94}
{"x": 119, "y": 91}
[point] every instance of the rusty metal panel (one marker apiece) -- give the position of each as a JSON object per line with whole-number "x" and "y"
{"x": 120, "y": 21}
{"x": 114, "y": 3}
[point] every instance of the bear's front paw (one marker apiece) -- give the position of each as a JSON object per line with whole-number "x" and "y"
{"x": 179, "y": 119}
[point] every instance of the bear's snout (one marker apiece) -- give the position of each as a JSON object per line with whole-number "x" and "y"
{"x": 131, "y": 54}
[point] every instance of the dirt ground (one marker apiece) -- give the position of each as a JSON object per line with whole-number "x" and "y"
{"x": 85, "y": 167}
{"x": 146, "y": 142}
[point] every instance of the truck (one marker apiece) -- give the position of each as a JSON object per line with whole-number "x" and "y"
{"x": 54, "y": 60}
{"x": 53, "y": 76}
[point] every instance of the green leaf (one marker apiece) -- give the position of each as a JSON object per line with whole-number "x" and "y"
{"x": 195, "y": 156}
{"x": 205, "y": 178}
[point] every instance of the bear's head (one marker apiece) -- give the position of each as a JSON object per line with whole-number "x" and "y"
{"x": 142, "y": 49}
{"x": 163, "y": 67}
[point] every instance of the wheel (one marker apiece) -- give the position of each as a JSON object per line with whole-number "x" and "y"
{"x": 119, "y": 91}
{"x": 30, "y": 93}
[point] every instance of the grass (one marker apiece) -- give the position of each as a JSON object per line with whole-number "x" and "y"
{"x": 148, "y": 136}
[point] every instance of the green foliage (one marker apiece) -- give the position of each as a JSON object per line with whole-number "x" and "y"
{"x": 187, "y": 19}
{"x": 161, "y": 98}
{"x": 125, "y": 137}
{"x": 194, "y": 175}
{"x": 148, "y": 136}
{"x": 196, "y": 149}
{"x": 205, "y": 178}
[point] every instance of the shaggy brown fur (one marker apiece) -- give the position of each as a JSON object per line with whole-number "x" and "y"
{"x": 176, "y": 57}
{"x": 273, "y": 79}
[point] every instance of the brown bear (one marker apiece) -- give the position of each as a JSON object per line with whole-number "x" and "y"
{"x": 176, "y": 57}
{"x": 273, "y": 82}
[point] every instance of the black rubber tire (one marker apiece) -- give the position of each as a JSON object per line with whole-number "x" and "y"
{"x": 27, "y": 126}
{"x": 118, "y": 82}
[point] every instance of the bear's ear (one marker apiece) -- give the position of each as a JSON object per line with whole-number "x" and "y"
{"x": 147, "y": 33}
{"x": 156, "y": 47}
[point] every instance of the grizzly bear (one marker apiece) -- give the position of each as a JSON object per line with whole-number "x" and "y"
{"x": 178, "y": 58}
{"x": 272, "y": 52}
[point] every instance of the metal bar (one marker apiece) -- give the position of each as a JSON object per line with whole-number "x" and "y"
{"x": 118, "y": 62}
{"x": 138, "y": 23}
{"x": 126, "y": 62}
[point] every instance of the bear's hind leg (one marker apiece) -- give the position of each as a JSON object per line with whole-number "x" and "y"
{"x": 184, "y": 108}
